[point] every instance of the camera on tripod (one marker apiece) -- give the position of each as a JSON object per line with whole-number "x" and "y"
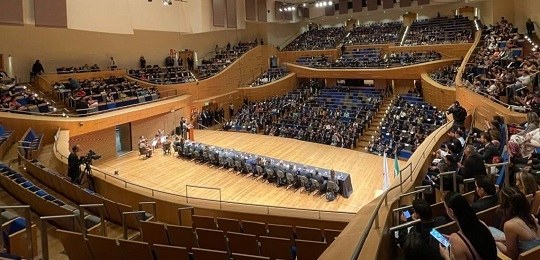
{"x": 89, "y": 157}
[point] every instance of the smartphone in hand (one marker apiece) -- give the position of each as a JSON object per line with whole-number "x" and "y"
{"x": 442, "y": 239}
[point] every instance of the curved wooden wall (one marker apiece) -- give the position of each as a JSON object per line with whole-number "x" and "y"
{"x": 437, "y": 94}
{"x": 406, "y": 72}
{"x": 275, "y": 88}
{"x": 486, "y": 108}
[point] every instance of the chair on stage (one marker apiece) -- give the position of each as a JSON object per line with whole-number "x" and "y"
{"x": 332, "y": 187}
{"x": 304, "y": 183}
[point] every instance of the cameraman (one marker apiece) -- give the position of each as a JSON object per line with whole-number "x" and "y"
{"x": 458, "y": 113}
{"x": 74, "y": 169}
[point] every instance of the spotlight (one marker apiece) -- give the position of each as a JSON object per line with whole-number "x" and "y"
{"x": 330, "y": 3}
{"x": 304, "y": 4}
{"x": 281, "y": 10}
{"x": 293, "y": 8}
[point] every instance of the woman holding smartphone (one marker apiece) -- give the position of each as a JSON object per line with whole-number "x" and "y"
{"x": 473, "y": 241}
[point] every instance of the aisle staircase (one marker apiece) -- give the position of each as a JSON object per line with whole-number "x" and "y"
{"x": 373, "y": 129}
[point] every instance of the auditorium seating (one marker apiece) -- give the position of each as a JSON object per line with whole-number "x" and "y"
{"x": 42, "y": 203}
{"x": 223, "y": 58}
{"x": 163, "y": 75}
{"x": 112, "y": 210}
{"x": 446, "y": 76}
{"x": 270, "y": 75}
{"x": 82, "y": 69}
{"x": 373, "y": 33}
{"x": 91, "y": 96}
{"x": 317, "y": 39}
{"x": 439, "y": 30}
{"x": 6, "y": 140}
{"x": 409, "y": 120}
{"x": 20, "y": 99}
{"x": 31, "y": 143}
{"x": 369, "y": 58}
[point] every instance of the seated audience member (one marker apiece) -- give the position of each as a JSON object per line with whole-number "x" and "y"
{"x": 526, "y": 183}
{"x": 473, "y": 165}
{"x": 73, "y": 84}
{"x": 487, "y": 194}
{"x": 521, "y": 228}
{"x": 473, "y": 240}
{"x": 422, "y": 210}
{"x": 415, "y": 247}
{"x": 488, "y": 150}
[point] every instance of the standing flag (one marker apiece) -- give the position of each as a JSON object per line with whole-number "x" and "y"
{"x": 396, "y": 166}
{"x": 386, "y": 181}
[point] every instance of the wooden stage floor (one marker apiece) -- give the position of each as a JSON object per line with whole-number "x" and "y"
{"x": 170, "y": 174}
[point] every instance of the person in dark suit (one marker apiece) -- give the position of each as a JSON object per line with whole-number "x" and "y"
{"x": 488, "y": 149}
{"x": 37, "y": 68}
{"x": 74, "y": 169}
{"x": 485, "y": 189}
{"x": 473, "y": 164}
{"x": 422, "y": 210}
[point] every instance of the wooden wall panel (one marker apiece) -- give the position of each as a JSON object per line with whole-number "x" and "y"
{"x": 231, "y": 13}
{"x": 11, "y": 12}
{"x": 251, "y": 10}
{"x": 404, "y": 3}
{"x": 102, "y": 142}
{"x": 219, "y": 12}
{"x": 423, "y": 2}
{"x": 486, "y": 108}
{"x": 292, "y": 56}
{"x": 275, "y": 88}
{"x": 50, "y": 13}
{"x": 278, "y": 15}
{"x": 372, "y": 5}
{"x": 357, "y": 5}
{"x": 148, "y": 127}
{"x": 330, "y": 10}
{"x": 343, "y": 6}
{"x": 437, "y": 94}
{"x": 261, "y": 11}
{"x": 408, "y": 72}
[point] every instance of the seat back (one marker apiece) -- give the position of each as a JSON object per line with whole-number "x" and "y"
{"x": 283, "y": 231}
{"x": 448, "y": 228}
{"x": 490, "y": 217}
{"x": 165, "y": 252}
{"x": 303, "y": 180}
{"x": 181, "y": 236}
{"x": 280, "y": 174}
{"x": 535, "y": 207}
{"x": 103, "y": 247}
{"x": 229, "y": 225}
{"x": 259, "y": 169}
{"x": 203, "y": 254}
{"x": 308, "y": 233}
{"x": 255, "y": 228}
{"x": 211, "y": 239}
{"x": 74, "y": 245}
{"x": 290, "y": 177}
{"x": 203, "y": 222}
{"x": 315, "y": 184}
{"x": 330, "y": 235}
{"x": 243, "y": 243}
{"x": 135, "y": 250}
{"x": 275, "y": 248}
{"x": 237, "y": 256}
{"x": 154, "y": 233}
{"x": 309, "y": 250}
{"x": 531, "y": 254}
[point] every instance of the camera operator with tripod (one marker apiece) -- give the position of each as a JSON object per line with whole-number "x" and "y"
{"x": 74, "y": 169}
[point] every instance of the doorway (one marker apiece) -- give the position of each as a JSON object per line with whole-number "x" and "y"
{"x": 123, "y": 139}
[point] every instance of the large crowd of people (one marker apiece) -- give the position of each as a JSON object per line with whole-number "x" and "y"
{"x": 16, "y": 97}
{"x": 407, "y": 124}
{"x": 499, "y": 70}
{"x": 269, "y": 75}
{"x": 334, "y": 117}
{"x": 439, "y": 30}
{"x": 446, "y": 75}
{"x": 374, "y": 33}
{"x": 317, "y": 39}
{"x": 223, "y": 58}
{"x": 97, "y": 94}
{"x": 369, "y": 58}
{"x": 163, "y": 75}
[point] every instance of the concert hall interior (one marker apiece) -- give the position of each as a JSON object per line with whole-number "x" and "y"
{"x": 266, "y": 129}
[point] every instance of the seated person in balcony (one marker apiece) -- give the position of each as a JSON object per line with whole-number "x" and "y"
{"x": 521, "y": 229}
{"x": 421, "y": 210}
{"x": 73, "y": 84}
{"x": 473, "y": 164}
{"x": 94, "y": 67}
{"x": 92, "y": 103}
{"x": 526, "y": 183}
{"x": 473, "y": 240}
{"x": 487, "y": 194}
{"x": 487, "y": 150}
